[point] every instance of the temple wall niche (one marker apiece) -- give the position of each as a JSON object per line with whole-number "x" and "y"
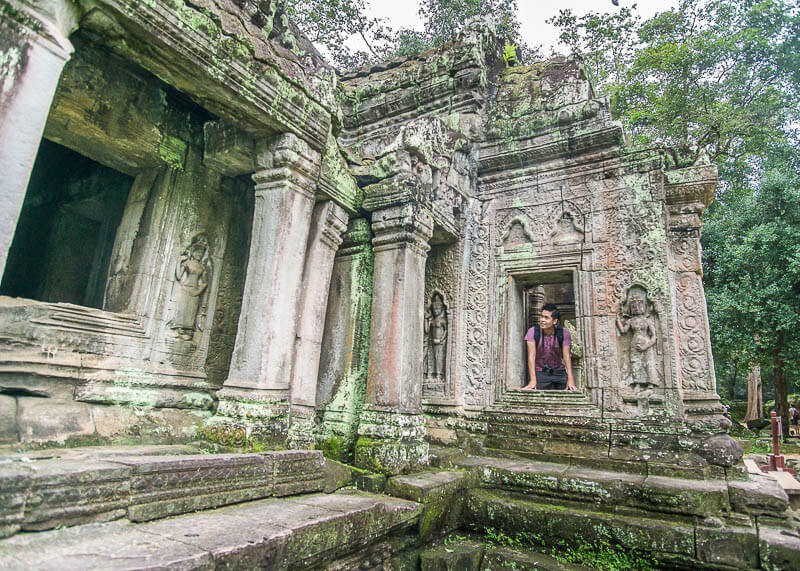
{"x": 442, "y": 320}
{"x": 143, "y": 232}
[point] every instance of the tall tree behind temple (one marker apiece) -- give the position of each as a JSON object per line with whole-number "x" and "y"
{"x": 328, "y": 23}
{"x": 720, "y": 78}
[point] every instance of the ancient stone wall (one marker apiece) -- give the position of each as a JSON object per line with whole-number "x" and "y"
{"x": 351, "y": 262}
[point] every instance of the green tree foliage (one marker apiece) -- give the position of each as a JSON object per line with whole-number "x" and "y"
{"x": 722, "y": 78}
{"x": 752, "y": 271}
{"x": 329, "y": 23}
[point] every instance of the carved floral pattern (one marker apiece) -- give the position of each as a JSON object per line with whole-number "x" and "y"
{"x": 692, "y": 334}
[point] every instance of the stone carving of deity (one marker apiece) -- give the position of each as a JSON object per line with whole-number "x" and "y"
{"x": 566, "y": 232}
{"x": 192, "y": 275}
{"x": 637, "y": 320}
{"x": 435, "y": 337}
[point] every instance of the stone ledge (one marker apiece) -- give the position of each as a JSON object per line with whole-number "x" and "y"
{"x": 442, "y": 497}
{"x": 44, "y": 494}
{"x": 271, "y": 534}
{"x": 619, "y": 491}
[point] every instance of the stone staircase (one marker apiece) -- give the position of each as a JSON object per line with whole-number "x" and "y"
{"x": 162, "y": 507}
{"x": 107, "y": 510}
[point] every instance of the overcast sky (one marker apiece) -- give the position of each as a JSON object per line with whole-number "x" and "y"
{"x": 532, "y": 15}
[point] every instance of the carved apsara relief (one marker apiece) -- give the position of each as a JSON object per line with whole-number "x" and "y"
{"x": 441, "y": 286}
{"x": 192, "y": 276}
{"x": 436, "y": 328}
{"x": 637, "y": 327}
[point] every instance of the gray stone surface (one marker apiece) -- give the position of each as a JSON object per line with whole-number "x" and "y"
{"x": 169, "y": 485}
{"x": 779, "y": 548}
{"x": 70, "y": 492}
{"x": 9, "y": 432}
{"x": 274, "y": 533}
{"x": 759, "y": 494}
{"x": 461, "y": 555}
{"x": 51, "y": 420}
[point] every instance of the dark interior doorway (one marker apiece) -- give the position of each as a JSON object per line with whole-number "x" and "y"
{"x": 65, "y": 234}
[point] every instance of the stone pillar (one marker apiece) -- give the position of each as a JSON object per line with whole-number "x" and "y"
{"x": 328, "y": 222}
{"x": 257, "y": 389}
{"x": 688, "y": 192}
{"x": 342, "y": 381}
{"x": 392, "y": 429}
{"x": 35, "y": 49}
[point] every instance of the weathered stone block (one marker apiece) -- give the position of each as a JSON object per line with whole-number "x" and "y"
{"x": 337, "y": 475}
{"x": 462, "y": 555}
{"x": 111, "y": 545}
{"x": 71, "y": 492}
{"x": 9, "y": 431}
{"x": 14, "y": 483}
{"x": 759, "y": 494}
{"x": 697, "y": 497}
{"x": 728, "y": 545}
{"x": 496, "y": 558}
{"x": 511, "y": 513}
{"x": 778, "y": 548}
{"x": 440, "y": 493}
{"x": 297, "y": 471}
{"x": 234, "y": 541}
{"x": 49, "y": 420}
{"x": 369, "y": 482}
{"x": 170, "y": 485}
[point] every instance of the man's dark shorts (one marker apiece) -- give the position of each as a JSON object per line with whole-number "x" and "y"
{"x": 557, "y": 381}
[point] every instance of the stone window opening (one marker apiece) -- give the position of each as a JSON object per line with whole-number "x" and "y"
{"x": 526, "y": 294}
{"x": 65, "y": 233}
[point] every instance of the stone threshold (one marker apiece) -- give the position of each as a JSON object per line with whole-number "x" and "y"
{"x": 74, "y": 490}
{"x": 284, "y": 533}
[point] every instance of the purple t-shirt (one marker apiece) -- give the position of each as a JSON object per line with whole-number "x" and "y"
{"x": 547, "y": 351}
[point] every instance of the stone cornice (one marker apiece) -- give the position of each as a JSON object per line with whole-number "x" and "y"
{"x": 517, "y": 153}
{"x": 695, "y": 184}
{"x": 260, "y": 98}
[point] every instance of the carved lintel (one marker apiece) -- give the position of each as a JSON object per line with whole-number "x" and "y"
{"x": 408, "y": 224}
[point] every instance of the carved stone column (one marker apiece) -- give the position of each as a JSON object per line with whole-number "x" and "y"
{"x": 257, "y": 389}
{"x": 34, "y": 53}
{"x": 689, "y": 191}
{"x": 392, "y": 429}
{"x": 345, "y": 344}
{"x": 328, "y": 222}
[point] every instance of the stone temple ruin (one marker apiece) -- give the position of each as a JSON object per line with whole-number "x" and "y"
{"x": 207, "y": 235}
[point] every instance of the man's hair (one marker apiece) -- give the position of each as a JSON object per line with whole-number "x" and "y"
{"x": 554, "y": 312}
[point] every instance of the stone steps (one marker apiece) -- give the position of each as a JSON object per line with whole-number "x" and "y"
{"x": 620, "y": 492}
{"x": 73, "y": 490}
{"x": 340, "y": 530}
{"x": 684, "y": 542}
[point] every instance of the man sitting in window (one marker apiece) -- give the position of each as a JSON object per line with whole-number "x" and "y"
{"x": 549, "y": 361}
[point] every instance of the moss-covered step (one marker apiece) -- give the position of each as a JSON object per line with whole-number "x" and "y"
{"x": 43, "y": 494}
{"x": 440, "y": 493}
{"x": 277, "y": 533}
{"x": 617, "y": 491}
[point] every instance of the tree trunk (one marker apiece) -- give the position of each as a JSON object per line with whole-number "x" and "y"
{"x": 781, "y": 396}
{"x": 755, "y": 398}
{"x": 732, "y": 380}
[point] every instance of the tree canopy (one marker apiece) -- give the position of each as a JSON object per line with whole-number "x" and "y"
{"x": 329, "y": 23}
